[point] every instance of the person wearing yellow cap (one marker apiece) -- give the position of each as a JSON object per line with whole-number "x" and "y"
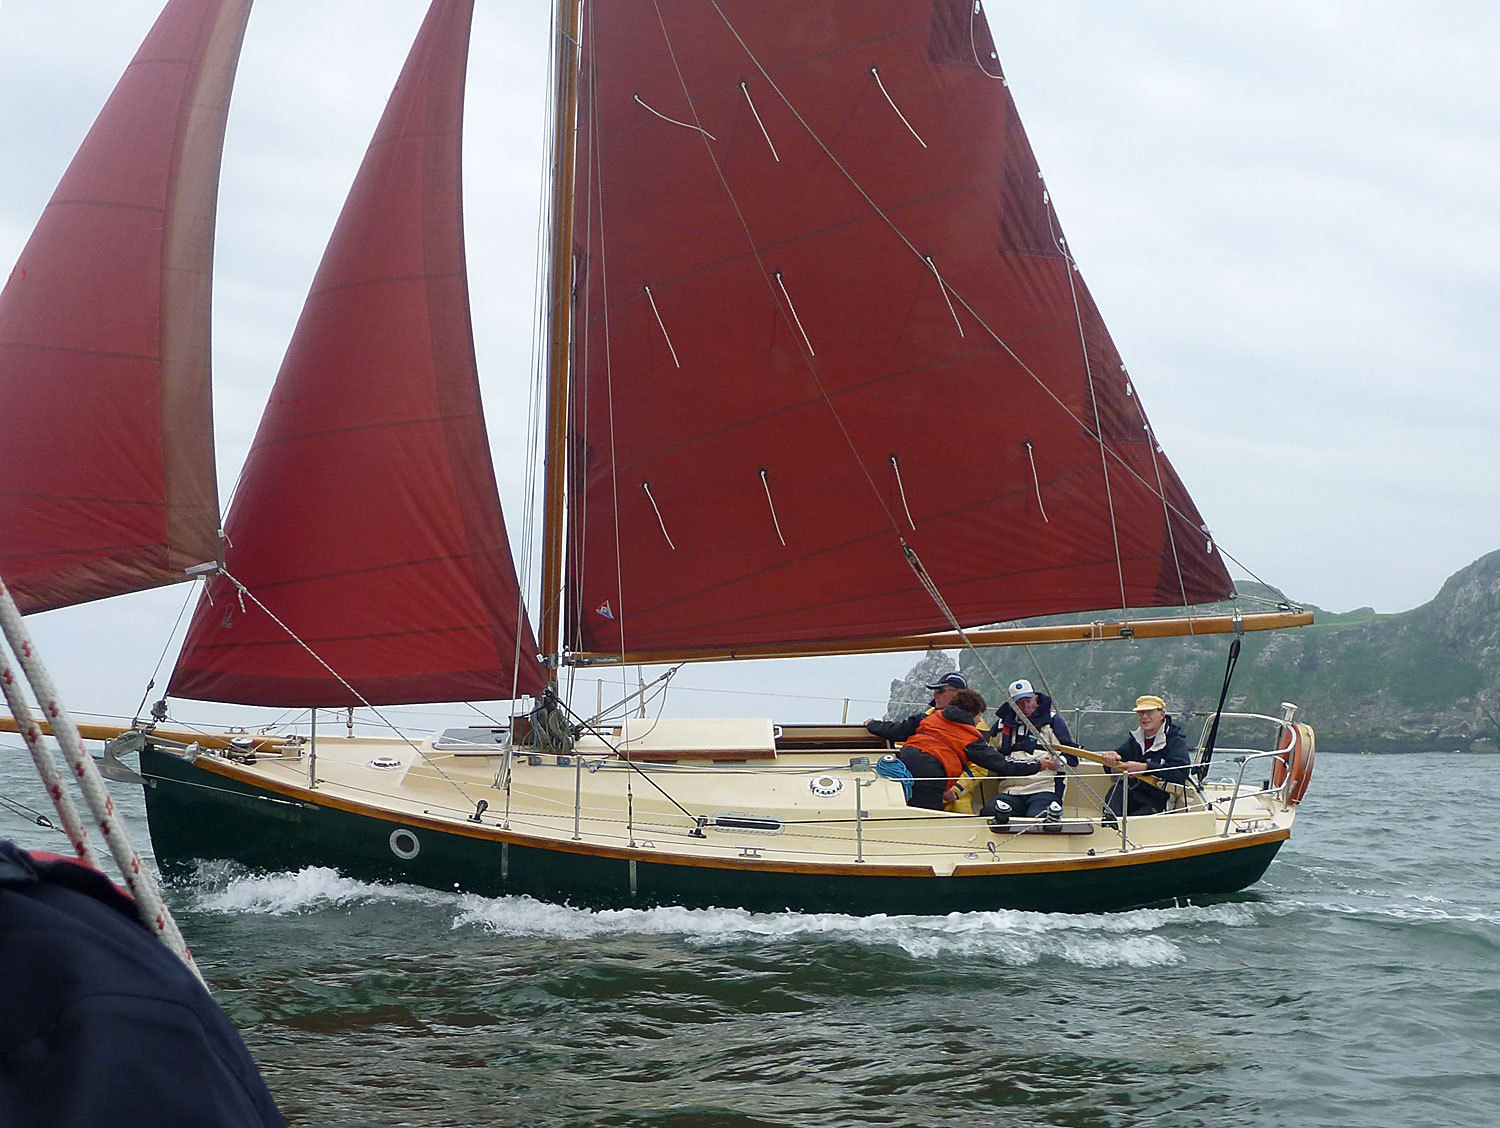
{"x": 1158, "y": 747}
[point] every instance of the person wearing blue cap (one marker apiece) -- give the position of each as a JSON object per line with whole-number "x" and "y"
{"x": 943, "y": 692}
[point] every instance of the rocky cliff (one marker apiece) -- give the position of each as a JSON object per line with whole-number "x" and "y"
{"x": 1422, "y": 680}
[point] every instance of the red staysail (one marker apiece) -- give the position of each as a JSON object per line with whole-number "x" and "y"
{"x": 824, "y": 307}
{"x": 106, "y": 465}
{"x": 367, "y": 518}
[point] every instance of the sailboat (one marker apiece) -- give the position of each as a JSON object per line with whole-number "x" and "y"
{"x": 823, "y": 378}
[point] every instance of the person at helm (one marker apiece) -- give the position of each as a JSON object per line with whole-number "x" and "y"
{"x": 1158, "y": 748}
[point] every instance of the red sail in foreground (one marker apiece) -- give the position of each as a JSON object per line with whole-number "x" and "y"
{"x": 367, "y": 518}
{"x": 861, "y": 327}
{"x": 106, "y": 463}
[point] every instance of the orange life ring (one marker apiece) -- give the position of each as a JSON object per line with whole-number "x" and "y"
{"x": 1297, "y": 747}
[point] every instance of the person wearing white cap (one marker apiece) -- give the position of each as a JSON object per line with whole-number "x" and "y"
{"x": 1039, "y": 795}
{"x": 1157, "y": 746}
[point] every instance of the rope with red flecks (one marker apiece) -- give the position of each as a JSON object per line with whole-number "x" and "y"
{"x": 148, "y": 899}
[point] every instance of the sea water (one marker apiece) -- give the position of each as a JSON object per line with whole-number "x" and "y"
{"x": 1356, "y": 985}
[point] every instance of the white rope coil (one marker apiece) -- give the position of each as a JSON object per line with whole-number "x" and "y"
{"x": 665, "y": 335}
{"x": 901, "y": 488}
{"x": 781, "y": 283}
{"x": 745, "y": 88}
{"x": 766, "y": 484}
{"x": 659, "y": 519}
{"x": 876, "y": 72}
{"x": 674, "y": 121}
{"x": 1036, "y": 481}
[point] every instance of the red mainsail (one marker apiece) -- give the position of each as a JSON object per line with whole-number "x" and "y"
{"x": 367, "y": 518}
{"x": 106, "y": 462}
{"x": 824, "y": 308}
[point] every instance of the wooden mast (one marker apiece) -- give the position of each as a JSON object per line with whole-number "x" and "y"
{"x": 560, "y": 314}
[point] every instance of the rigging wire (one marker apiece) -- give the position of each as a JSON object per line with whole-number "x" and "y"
{"x": 160, "y": 658}
{"x": 316, "y": 657}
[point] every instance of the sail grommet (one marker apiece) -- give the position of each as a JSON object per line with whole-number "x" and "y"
{"x": 405, "y": 844}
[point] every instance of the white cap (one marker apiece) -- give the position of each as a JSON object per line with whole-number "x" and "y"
{"x": 1020, "y": 688}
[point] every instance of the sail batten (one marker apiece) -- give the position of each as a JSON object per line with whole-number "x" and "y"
{"x": 938, "y": 322}
{"x": 107, "y": 480}
{"x": 367, "y": 519}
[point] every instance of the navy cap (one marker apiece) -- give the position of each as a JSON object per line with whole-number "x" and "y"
{"x": 955, "y": 679}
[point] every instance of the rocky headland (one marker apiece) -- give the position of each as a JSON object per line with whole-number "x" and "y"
{"x": 1423, "y": 680}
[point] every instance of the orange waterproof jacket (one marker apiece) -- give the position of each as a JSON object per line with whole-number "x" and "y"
{"x": 947, "y": 740}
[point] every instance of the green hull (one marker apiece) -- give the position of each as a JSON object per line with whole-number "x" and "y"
{"x": 195, "y": 814}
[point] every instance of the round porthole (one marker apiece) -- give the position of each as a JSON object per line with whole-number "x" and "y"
{"x": 404, "y": 844}
{"x": 825, "y": 785}
{"x": 385, "y": 763}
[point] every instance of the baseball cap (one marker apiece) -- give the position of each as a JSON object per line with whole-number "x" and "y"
{"x": 1020, "y": 688}
{"x": 955, "y": 679}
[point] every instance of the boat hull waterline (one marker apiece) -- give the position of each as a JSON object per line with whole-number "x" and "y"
{"x": 211, "y": 808}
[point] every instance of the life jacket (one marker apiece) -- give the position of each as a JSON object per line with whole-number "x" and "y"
{"x": 946, "y": 740}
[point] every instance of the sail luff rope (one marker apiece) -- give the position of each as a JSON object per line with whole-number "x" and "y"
{"x": 149, "y": 902}
{"x": 943, "y": 286}
{"x": 665, "y": 335}
{"x": 876, "y": 72}
{"x": 765, "y": 483}
{"x": 781, "y": 282}
{"x": 745, "y": 87}
{"x": 901, "y": 489}
{"x": 647, "y": 487}
{"x": 974, "y": 9}
{"x": 46, "y": 766}
{"x": 674, "y": 121}
{"x": 316, "y": 657}
{"x": 1037, "y": 482}
{"x": 1088, "y": 372}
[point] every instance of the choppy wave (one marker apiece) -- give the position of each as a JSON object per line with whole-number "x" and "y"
{"x": 281, "y": 894}
{"x": 1142, "y": 938}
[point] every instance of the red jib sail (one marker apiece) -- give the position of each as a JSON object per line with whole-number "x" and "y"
{"x": 824, "y": 309}
{"x": 367, "y": 518}
{"x": 106, "y": 464}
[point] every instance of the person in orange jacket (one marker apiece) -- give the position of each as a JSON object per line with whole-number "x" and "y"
{"x": 941, "y": 744}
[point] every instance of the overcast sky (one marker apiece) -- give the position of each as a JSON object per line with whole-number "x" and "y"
{"x": 1287, "y": 213}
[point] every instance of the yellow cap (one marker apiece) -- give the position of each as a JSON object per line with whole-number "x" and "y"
{"x": 1149, "y": 702}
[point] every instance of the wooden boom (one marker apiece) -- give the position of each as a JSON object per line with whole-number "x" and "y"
{"x": 949, "y": 640}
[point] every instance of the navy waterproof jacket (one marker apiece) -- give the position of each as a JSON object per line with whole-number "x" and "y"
{"x": 99, "y": 1022}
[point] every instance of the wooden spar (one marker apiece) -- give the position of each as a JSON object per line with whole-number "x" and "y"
{"x": 177, "y": 736}
{"x": 950, "y": 640}
{"x": 564, "y": 158}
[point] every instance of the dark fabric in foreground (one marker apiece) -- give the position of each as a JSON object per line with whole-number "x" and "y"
{"x": 99, "y": 1023}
